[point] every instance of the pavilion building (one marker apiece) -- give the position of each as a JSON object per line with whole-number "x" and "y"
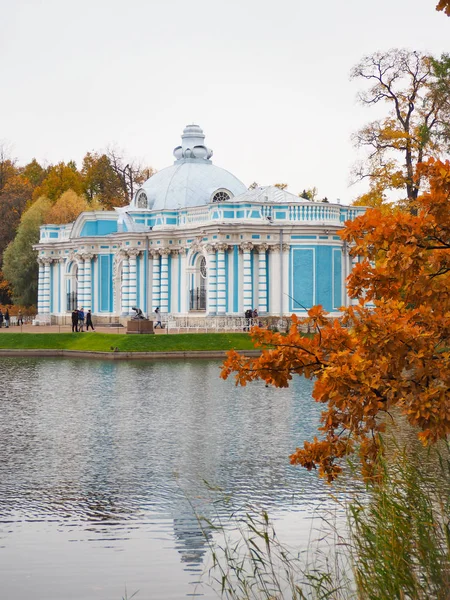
{"x": 195, "y": 241}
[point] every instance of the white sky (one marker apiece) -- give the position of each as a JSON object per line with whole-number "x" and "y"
{"x": 268, "y": 81}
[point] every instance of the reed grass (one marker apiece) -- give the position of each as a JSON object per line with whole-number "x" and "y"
{"x": 396, "y": 547}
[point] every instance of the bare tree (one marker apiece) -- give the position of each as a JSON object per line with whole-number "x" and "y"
{"x": 130, "y": 172}
{"x": 412, "y": 130}
{"x": 7, "y": 164}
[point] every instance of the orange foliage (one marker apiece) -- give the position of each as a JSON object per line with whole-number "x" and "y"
{"x": 391, "y": 353}
{"x": 67, "y": 208}
{"x": 445, "y": 6}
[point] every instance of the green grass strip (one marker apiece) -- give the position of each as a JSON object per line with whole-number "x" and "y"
{"x": 107, "y": 342}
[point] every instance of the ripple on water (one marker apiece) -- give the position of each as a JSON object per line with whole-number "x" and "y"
{"x": 123, "y": 457}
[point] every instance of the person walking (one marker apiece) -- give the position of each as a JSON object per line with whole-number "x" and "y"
{"x": 80, "y": 319}
{"x": 1, "y": 318}
{"x": 248, "y": 319}
{"x": 89, "y": 321}
{"x": 7, "y": 318}
{"x": 74, "y": 320}
{"x": 19, "y": 318}
{"x": 157, "y": 318}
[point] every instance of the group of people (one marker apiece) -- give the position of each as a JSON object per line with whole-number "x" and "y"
{"x": 80, "y": 319}
{"x": 5, "y": 318}
{"x": 251, "y": 317}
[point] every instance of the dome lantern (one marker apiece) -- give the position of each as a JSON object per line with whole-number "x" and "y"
{"x": 192, "y": 145}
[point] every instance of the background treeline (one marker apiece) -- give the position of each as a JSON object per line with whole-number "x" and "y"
{"x": 34, "y": 194}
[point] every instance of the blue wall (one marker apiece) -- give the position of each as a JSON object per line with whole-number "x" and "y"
{"x": 302, "y": 280}
{"x": 105, "y": 303}
{"x": 316, "y": 273}
{"x": 103, "y": 227}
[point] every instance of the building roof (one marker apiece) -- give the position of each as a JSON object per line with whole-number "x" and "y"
{"x": 191, "y": 181}
{"x": 270, "y": 193}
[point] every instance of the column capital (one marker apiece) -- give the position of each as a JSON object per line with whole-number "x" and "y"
{"x": 87, "y": 255}
{"x": 197, "y": 247}
{"x": 182, "y": 251}
{"x": 222, "y": 247}
{"x": 277, "y": 247}
{"x": 46, "y": 260}
{"x": 165, "y": 251}
{"x": 261, "y": 248}
{"x": 175, "y": 251}
{"x": 210, "y": 248}
{"x": 133, "y": 252}
{"x": 154, "y": 253}
{"x": 246, "y": 246}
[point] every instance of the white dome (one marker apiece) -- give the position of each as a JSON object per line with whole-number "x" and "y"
{"x": 191, "y": 181}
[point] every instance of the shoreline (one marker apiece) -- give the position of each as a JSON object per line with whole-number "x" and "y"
{"x": 47, "y": 353}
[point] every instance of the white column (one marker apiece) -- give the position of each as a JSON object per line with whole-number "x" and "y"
{"x": 87, "y": 281}
{"x": 246, "y": 248}
{"x": 183, "y": 282}
{"x": 174, "y": 279}
{"x": 285, "y": 267}
{"x": 156, "y": 280}
{"x": 125, "y": 283}
{"x": 212, "y": 279}
{"x": 46, "y": 287}
{"x": 164, "y": 280}
{"x": 221, "y": 279}
{"x": 62, "y": 292}
{"x": 40, "y": 305}
{"x": 80, "y": 281}
{"x": 262, "y": 288}
{"x": 132, "y": 290}
{"x": 345, "y": 273}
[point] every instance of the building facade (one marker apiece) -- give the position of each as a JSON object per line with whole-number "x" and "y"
{"x": 195, "y": 241}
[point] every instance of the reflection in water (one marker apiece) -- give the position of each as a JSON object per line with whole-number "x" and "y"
{"x": 116, "y": 456}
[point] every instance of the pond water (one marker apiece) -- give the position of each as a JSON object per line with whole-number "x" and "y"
{"x": 103, "y": 468}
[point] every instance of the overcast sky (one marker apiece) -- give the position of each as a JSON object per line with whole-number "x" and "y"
{"x": 268, "y": 81}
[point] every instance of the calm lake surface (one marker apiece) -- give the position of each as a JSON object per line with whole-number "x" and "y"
{"x": 103, "y": 468}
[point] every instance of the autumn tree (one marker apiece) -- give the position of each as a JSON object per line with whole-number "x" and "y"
{"x": 415, "y": 90}
{"x": 19, "y": 260}
{"x": 59, "y": 179}
{"x": 101, "y": 181}
{"x": 389, "y": 354}
{"x": 7, "y": 165}
{"x": 13, "y": 199}
{"x": 34, "y": 173}
{"x": 67, "y": 208}
{"x": 16, "y": 190}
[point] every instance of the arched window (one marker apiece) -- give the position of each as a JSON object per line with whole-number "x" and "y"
{"x": 203, "y": 267}
{"x": 141, "y": 199}
{"x": 221, "y": 196}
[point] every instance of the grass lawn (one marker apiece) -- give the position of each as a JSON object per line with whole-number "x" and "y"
{"x": 104, "y": 342}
